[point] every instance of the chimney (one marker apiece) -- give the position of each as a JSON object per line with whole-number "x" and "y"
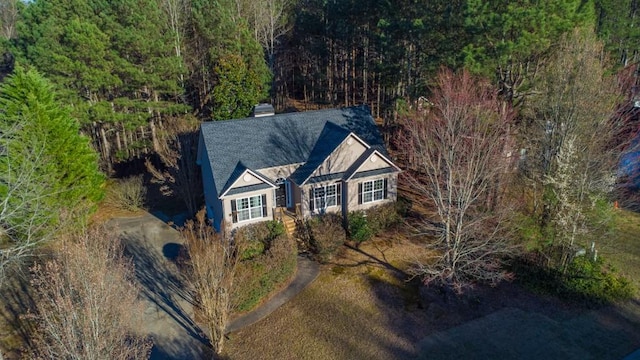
{"x": 261, "y": 110}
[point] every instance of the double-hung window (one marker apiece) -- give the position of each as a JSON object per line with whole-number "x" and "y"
{"x": 249, "y": 208}
{"x": 324, "y": 196}
{"x": 371, "y": 191}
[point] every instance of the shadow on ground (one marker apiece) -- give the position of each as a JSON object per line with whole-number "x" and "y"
{"x": 169, "y": 318}
{"x": 162, "y": 284}
{"x": 17, "y": 299}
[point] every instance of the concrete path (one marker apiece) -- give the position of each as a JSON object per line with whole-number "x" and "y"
{"x": 306, "y": 272}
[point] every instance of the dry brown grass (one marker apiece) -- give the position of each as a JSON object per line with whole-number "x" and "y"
{"x": 106, "y": 212}
{"x": 359, "y": 307}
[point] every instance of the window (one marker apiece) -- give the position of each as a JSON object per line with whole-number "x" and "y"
{"x": 249, "y": 208}
{"x": 322, "y": 197}
{"x": 371, "y": 191}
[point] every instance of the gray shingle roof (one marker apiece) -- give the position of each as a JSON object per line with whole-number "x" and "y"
{"x": 304, "y": 137}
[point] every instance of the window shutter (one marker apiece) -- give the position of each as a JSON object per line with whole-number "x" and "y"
{"x": 339, "y": 194}
{"x": 234, "y": 212}
{"x": 359, "y": 193}
{"x": 386, "y": 193}
{"x": 264, "y": 205}
{"x": 311, "y": 199}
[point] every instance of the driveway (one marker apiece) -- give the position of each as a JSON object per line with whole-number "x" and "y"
{"x": 168, "y": 319}
{"x": 512, "y": 333}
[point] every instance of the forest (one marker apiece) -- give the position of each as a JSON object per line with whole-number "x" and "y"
{"x": 129, "y": 74}
{"x": 511, "y": 118}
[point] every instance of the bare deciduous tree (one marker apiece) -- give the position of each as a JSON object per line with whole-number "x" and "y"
{"x": 572, "y": 159}
{"x": 25, "y": 222}
{"x": 8, "y": 18}
{"x": 177, "y": 13}
{"x": 179, "y": 174}
{"x": 269, "y": 20}
{"x": 87, "y": 305}
{"x": 213, "y": 259}
{"x": 457, "y": 149}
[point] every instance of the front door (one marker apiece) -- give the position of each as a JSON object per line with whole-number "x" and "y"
{"x": 281, "y": 195}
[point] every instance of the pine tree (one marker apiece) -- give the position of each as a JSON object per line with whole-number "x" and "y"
{"x": 64, "y": 159}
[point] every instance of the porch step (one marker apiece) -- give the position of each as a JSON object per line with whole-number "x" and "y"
{"x": 289, "y": 225}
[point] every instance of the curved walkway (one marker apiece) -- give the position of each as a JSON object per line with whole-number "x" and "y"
{"x": 306, "y": 272}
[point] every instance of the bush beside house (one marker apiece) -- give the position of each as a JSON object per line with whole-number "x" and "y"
{"x": 322, "y": 235}
{"x": 268, "y": 260}
{"x": 363, "y": 225}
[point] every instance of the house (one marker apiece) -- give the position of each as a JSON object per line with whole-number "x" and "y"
{"x": 306, "y": 162}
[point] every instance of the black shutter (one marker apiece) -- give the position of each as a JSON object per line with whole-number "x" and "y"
{"x": 234, "y": 212}
{"x": 359, "y": 193}
{"x": 386, "y": 192}
{"x": 339, "y": 194}
{"x": 264, "y": 205}
{"x": 311, "y": 199}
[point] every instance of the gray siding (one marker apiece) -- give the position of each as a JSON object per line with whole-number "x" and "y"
{"x": 213, "y": 204}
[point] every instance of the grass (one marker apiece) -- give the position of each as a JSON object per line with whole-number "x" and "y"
{"x": 358, "y": 308}
{"x": 361, "y": 306}
{"x": 624, "y": 251}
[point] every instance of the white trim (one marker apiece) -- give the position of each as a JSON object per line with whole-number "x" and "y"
{"x": 261, "y": 178}
{"x": 249, "y": 208}
{"x": 373, "y": 191}
{"x": 374, "y": 153}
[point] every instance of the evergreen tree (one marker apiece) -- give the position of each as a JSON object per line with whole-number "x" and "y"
{"x": 229, "y": 72}
{"x": 618, "y": 26}
{"x": 509, "y": 39}
{"x": 41, "y": 135}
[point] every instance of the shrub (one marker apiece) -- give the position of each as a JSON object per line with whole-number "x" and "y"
{"x": 254, "y": 237}
{"x": 275, "y": 229}
{"x": 262, "y": 273}
{"x": 359, "y": 229}
{"x": 363, "y": 225}
{"x": 528, "y": 230}
{"x": 325, "y": 235}
{"x": 592, "y": 280}
{"x": 383, "y": 217}
{"x": 251, "y": 249}
{"x": 127, "y": 194}
{"x": 584, "y": 280}
{"x": 258, "y": 237}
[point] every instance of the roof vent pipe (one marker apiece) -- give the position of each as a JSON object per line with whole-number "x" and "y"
{"x": 261, "y": 110}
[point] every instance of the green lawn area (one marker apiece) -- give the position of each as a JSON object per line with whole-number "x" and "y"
{"x": 623, "y": 251}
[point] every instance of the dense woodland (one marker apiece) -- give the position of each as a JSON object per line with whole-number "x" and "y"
{"x": 510, "y": 118}
{"x": 128, "y": 68}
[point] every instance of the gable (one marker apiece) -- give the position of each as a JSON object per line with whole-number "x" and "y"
{"x": 343, "y": 157}
{"x": 247, "y": 180}
{"x": 371, "y": 163}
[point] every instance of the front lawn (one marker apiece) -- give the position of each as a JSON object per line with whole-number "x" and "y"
{"x": 360, "y": 307}
{"x": 623, "y": 251}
